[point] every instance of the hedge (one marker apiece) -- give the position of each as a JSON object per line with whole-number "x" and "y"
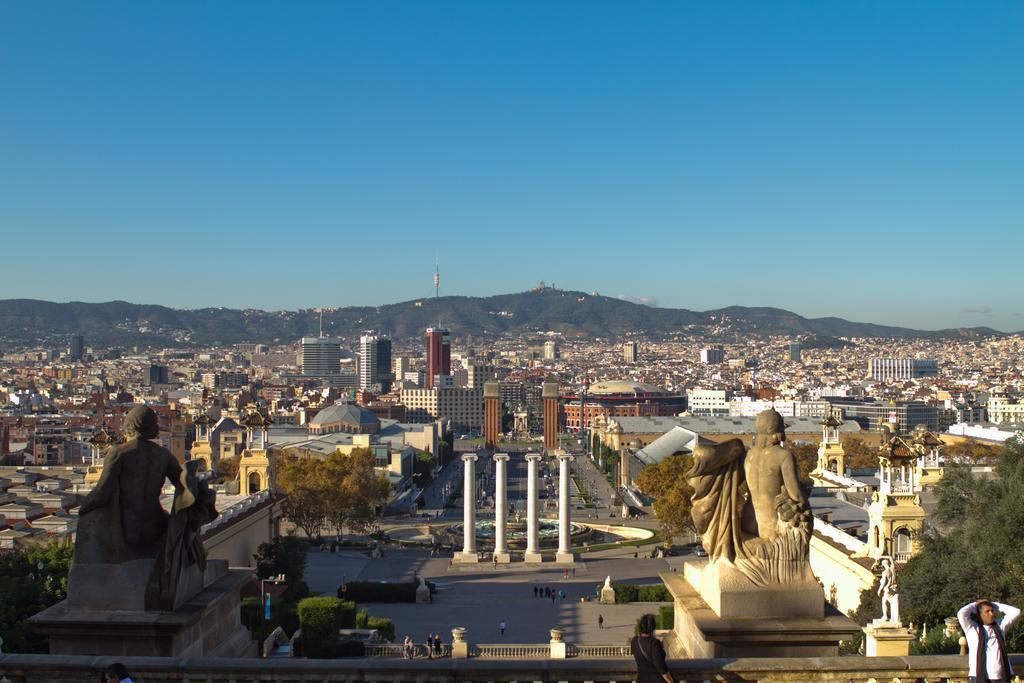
{"x": 631, "y": 592}
{"x": 384, "y": 626}
{"x": 320, "y": 619}
{"x": 666, "y": 617}
{"x": 376, "y": 591}
{"x": 282, "y": 613}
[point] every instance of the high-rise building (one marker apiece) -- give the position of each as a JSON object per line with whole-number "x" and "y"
{"x": 794, "y": 351}
{"x": 884, "y": 369}
{"x": 439, "y": 354}
{"x": 77, "y": 347}
{"x": 367, "y": 361}
{"x": 550, "y": 350}
{"x": 384, "y": 376}
{"x": 712, "y": 355}
{"x": 320, "y": 356}
{"x": 629, "y": 352}
{"x": 157, "y": 374}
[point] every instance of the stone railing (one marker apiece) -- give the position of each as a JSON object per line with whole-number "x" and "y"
{"x": 511, "y": 651}
{"x": 397, "y": 650}
{"x": 598, "y": 651}
{"x": 19, "y": 668}
{"x": 237, "y": 509}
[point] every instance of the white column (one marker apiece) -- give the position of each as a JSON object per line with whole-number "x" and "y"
{"x": 532, "y": 549}
{"x": 469, "y": 509}
{"x": 564, "y": 553}
{"x": 500, "y": 507}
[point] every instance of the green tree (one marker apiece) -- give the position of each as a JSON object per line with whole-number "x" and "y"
{"x": 980, "y": 555}
{"x": 806, "y": 455}
{"x": 357, "y": 491}
{"x": 666, "y": 483}
{"x": 25, "y": 590}
{"x": 227, "y": 468}
{"x": 303, "y": 481}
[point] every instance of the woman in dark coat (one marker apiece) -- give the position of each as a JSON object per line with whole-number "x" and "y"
{"x": 649, "y": 654}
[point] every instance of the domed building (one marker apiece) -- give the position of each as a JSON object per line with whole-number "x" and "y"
{"x": 619, "y": 398}
{"x": 344, "y": 417}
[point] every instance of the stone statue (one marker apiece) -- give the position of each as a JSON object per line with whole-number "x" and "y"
{"x": 607, "y": 582}
{"x": 123, "y": 529}
{"x": 764, "y": 531}
{"x": 887, "y": 590}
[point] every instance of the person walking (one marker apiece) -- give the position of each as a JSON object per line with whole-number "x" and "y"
{"x": 437, "y": 645}
{"x": 430, "y": 645}
{"x": 649, "y": 654}
{"x": 407, "y": 648}
{"x": 501, "y": 627}
{"x": 987, "y": 658}
{"x": 600, "y": 621}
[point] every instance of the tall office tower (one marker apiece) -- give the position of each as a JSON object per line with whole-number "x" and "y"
{"x": 629, "y": 352}
{"x": 157, "y": 374}
{"x": 712, "y": 355}
{"x": 77, "y": 347}
{"x": 367, "y": 361}
{"x": 550, "y": 350}
{"x": 320, "y": 356}
{"x": 384, "y": 376}
{"x": 439, "y": 354}
{"x": 794, "y": 351}
{"x": 402, "y": 365}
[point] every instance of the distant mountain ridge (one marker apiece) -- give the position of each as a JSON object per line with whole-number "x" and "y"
{"x": 26, "y": 323}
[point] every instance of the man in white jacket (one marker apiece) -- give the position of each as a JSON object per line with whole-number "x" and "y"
{"x": 987, "y": 658}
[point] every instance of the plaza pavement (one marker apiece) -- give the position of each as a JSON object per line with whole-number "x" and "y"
{"x": 479, "y": 597}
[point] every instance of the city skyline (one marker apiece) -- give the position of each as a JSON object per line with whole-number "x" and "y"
{"x": 859, "y": 161}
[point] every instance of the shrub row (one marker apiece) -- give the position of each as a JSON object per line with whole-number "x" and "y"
{"x": 375, "y": 591}
{"x": 384, "y": 626}
{"x": 631, "y": 592}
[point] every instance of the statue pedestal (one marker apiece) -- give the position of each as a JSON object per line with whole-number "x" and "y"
{"x": 206, "y": 625}
{"x": 565, "y": 558}
{"x": 467, "y": 558}
{"x": 731, "y": 594}
{"x": 502, "y": 558}
{"x": 607, "y": 596}
{"x": 885, "y": 639}
{"x": 700, "y": 632}
{"x": 532, "y": 558}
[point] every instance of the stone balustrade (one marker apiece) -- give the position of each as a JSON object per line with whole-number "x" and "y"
{"x": 22, "y": 668}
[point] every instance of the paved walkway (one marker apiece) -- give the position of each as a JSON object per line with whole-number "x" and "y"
{"x": 478, "y": 598}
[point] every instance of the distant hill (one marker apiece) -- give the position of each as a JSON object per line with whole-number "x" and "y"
{"x": 31, "y": 323}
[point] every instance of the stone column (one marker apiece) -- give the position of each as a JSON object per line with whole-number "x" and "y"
{"x": 532, "y": 554}
{"x": 500, "y": 507}
{"x": 564, "y": 554}
{"x": 468, "y": 553}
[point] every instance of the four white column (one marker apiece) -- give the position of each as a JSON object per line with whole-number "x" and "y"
{"x": 469, "y": 509}
{"x": 500, "y": 508}
{"x": 564, "y": 554}
{"x": 469, "y": 554}
{"x": 532, "y": 553}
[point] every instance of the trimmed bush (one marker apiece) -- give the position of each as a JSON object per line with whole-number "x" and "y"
{"x": 375, "y": 591}
{"x": 631, "y": 592}
{"x": 384, "y": 626}
{"x": 320, "y": 619}
{"x": 666, "y": 616}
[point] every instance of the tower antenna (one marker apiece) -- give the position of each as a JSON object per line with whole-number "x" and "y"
{"x": 321, "y": 323}
{"x": 437, "y": 275}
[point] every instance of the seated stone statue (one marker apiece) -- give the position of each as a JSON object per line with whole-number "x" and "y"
{"x": 749, "y": 508}
{"x": 123, "y": 528}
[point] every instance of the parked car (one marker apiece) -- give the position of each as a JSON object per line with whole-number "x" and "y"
{"x": 700, "y": 552}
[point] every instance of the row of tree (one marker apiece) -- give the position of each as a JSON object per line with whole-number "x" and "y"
{"x": 340, "y": 491}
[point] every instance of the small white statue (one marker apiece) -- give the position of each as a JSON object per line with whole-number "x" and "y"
{"x": 887, "y": 591}
{"x": 607, "y": 582}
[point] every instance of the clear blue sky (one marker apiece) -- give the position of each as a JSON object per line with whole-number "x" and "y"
{"x": 857, "y": 159}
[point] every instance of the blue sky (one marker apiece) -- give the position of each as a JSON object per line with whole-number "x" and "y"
{"x": 861, "y": 159}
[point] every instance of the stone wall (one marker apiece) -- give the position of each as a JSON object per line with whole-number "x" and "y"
{"x": 71, "y": 669}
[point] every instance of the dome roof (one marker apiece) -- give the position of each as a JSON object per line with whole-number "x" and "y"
{"x": 344, "y": 412}
{"x": 613, "y": 386}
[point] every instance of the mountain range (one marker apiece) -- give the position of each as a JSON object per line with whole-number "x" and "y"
{"x": 29, "y": 323}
